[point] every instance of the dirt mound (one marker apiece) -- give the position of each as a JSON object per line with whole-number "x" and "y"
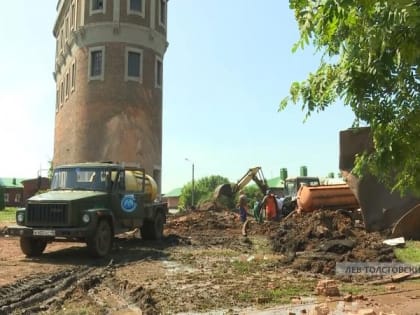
{"x": 309, "y": 242}
{"x": 201, "y": 220}
{"x": 216, "y": 223}
{"x": 316, "y": 241}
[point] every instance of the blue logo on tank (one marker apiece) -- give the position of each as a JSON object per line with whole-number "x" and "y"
{"x": 128, "y": 203}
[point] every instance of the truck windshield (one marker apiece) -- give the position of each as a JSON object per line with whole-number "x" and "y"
{"x": 81, "y": 179}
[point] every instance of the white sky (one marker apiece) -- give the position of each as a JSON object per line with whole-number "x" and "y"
{"x": 228, "y": 65}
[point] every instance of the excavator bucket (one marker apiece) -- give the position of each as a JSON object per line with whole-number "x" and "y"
{"x": 408, "y": 225}
{"x": 223, "y": 190}
{"x": 381, "y": 208}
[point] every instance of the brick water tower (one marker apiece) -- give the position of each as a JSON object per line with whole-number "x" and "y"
{"x": 108, "y": 73}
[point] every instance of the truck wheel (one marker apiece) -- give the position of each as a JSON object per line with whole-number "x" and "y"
{"x": 100, "y": 243}
{"x": 153, "y": 230}
{"x": 32, "y": 247}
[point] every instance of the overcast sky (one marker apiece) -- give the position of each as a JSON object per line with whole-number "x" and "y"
{"x": 228, "y": 65}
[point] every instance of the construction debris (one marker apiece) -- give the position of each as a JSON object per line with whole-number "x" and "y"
{"x": 309, "y": 242}
{"x": 327, "y": 287}
{"x": 316, "y": 241}
{"x": 398, "y": 241}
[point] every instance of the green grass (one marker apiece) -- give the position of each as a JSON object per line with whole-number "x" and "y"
{"x": 282, "y": 295}
{"x": 410, "y": 253}
{"x": 285, "y": 294}
{"x": 8, "y": 215}
{"x": 356, "y": 289}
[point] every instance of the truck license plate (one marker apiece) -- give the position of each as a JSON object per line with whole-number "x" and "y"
{"x": 44, "y": 232}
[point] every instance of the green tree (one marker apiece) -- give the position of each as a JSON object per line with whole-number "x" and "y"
{"x": 50, "y": 169}
{"x": 370, "y": 60}
{"x": 254, "y": 194}
{"x": 203, "y": 190}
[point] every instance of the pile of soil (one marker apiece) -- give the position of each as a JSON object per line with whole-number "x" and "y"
{"x": 311, "y": 242}
{"x": 199, "y": 221}
{"x": 216, "y": 223}
{"x": 316, "y": 241}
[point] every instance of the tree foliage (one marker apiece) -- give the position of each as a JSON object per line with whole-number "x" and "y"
{"x": 370, "y": 60}
{"x": 203, "y": 190}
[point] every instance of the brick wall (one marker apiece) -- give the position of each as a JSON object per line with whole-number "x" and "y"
{"x": 32, "y": 186}
{"x": 111, "y": 119}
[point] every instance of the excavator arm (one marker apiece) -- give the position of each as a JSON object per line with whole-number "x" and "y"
{"x": 229, "y": 190}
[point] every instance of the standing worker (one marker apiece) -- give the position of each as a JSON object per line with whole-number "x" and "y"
{"x": 258, "y": 215}
{"x": 280, "y": 200}
{"x": 269, "y": 204}
{"x": 243, "y": 205}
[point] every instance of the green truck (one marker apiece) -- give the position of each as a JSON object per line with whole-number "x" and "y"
{"x": 91, "y": 203}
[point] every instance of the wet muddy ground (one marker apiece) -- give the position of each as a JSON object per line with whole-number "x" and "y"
{"x": 203, "y": 265}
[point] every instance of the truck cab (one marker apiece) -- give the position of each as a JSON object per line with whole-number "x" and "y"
{"x": 91, "y": 202}
{"x": 291, "y": 187}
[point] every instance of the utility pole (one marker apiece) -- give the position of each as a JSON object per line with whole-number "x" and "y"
{"x": 192, "y": 182}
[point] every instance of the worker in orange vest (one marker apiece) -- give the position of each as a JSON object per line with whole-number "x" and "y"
{"x": 269, "y": 205}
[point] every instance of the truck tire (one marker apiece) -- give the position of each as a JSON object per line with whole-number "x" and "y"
{"x": 32, "y": 247}
{"x": 153, "y": 229}
{"x": 100, "y": 243}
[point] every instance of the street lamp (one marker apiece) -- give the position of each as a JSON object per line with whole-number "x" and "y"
{"x": 192, "y": 190}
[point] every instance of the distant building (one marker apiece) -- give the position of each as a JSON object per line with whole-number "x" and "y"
{"x": 18, "y": 190}
{"x": 109, "y": 79}
{"x": 172, "y": 198}
{"x": 13, "y": 191}
{"x": 34, "y": 185}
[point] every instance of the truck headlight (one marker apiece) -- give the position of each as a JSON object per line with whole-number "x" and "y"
{"x": 86, "y": 218}
{"x": 20, "y": 218}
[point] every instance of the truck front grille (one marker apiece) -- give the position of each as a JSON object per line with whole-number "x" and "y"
{"x": 47, "y": 214}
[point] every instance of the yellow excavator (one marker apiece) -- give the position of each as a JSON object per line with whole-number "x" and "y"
{"x": 230, "y": 189}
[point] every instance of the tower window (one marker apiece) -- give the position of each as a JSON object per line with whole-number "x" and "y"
{"x": 61, "y": 40}
{"x": 134, "y": 64}
{"x": 67, "y": 84}
{"x": 162, "y": 12}
{"x": 97, "y": 6}
{"x": 57, "y": 101}
{"x": 136, "y": 5}
{"x": 73, "y": 16}
{"x": 96, "y": 63}
{"x": 73, "y": 76}
{"x": 158, "y": 72}
{"x": 67, "y": 28}
{"x": 62, "y": 93}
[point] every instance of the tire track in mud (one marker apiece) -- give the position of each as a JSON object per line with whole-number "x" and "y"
{"x": 42, "y": 292}
{"x": 25, "y": 293}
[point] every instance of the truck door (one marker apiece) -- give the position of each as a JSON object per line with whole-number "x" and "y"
{"x": 127, "y": 201}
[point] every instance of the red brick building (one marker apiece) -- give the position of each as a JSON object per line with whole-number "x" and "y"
{"x": 16, "y": 191}
{"x": 109, "y": 78}
{"x": 34, "y": 185}
{"x": 172, "y": 198}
